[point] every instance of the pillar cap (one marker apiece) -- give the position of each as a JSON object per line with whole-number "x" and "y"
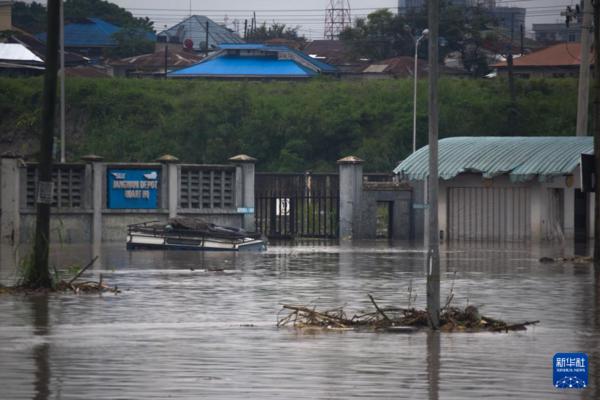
{"x": 92, "y": 158}
{"x": 243, "y": 158}
{"x": 350, "y": 160}
{"x": 167, "y": 159}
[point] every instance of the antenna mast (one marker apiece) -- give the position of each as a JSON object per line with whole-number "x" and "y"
{"x": 337, "y": 18}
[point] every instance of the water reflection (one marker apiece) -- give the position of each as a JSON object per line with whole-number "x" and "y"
{"x": 433, "y": 364}
{"x": 189, "y": 323}
{"x": 39, "y": 312}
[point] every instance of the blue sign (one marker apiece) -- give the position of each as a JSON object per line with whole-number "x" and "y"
{"x": 570, "y": 370}
{"x": 133, "y": 188}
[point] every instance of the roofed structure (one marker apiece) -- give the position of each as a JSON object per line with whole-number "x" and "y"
{"x": 559, "y": 60}
{"x": 153, "y": 64}
{"x": 255, "y": 61}
{"x": 522, "y": 158}
{"x": 194, "y": 28}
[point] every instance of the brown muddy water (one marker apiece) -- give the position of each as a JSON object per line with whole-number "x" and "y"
{"x": 193, "y": 325}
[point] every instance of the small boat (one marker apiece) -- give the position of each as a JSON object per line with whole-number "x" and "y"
{"x": 191, "y": 234}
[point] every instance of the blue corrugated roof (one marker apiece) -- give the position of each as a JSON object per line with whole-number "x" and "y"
{"x": 90, "y": 32}
{"x": 235, "y": 66}
{"x": 523, "y": 158}
{"x": 323, "y": 67}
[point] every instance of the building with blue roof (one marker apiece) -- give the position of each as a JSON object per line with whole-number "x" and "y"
{"x": 198, "y": 29}
{"x": 90, "y": 36}
{"x": 511, "y": 189}
{"x": 255, "y": 61}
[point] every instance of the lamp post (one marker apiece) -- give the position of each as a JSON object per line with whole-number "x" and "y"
{"x": 415, "y": 73}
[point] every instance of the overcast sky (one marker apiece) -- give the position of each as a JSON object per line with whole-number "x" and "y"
{"x": 308, "y": 14}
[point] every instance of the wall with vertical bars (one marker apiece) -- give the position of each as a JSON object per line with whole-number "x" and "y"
{"x": 69, "y": 180}
{"x": 206, "y": 187}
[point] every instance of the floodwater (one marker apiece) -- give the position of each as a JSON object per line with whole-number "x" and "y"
{"x": 193, "y": 325}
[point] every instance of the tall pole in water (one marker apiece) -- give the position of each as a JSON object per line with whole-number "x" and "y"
{"x": 38, "y": 275}
{"x": 433, "y": 250}
{"x": 597, "y": 134}
{"x": 63, "y": 157}
{"x": 584, "y": 71}
{"x": 416, "y": 78}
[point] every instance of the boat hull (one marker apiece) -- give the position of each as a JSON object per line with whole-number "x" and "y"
{"x": 206, "y": 243}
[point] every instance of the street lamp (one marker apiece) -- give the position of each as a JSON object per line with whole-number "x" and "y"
{"x": 415, "y": 73}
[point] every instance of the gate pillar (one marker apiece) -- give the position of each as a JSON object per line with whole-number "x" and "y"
{"x": 351, "y": 179}
{"x": 246, "y": 168}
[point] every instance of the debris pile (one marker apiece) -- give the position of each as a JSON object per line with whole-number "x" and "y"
{"x": 452, "y": 319}
{"x": 573, "y": 259}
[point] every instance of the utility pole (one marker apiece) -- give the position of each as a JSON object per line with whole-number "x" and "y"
{"x": 512, "y": 112}
{"x": 206, "y": 49}
{"x": 38, "y": 276}
{"x": 584, "y": 71}
{"x": 597, "y": 135}
{"x": 63, "y": 157}
{"x": 166, "y": 58}
{"x": 245, "y": 29}
{"x": 433, "y": 251}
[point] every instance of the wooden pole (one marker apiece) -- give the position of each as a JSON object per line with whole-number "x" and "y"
{"x": 39, "y": 276}
{"x": 584, "y": 71}
{"x": 433, "y": 255}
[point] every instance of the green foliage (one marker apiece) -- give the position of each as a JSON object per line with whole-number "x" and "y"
{"x": 384, "y": 35}
{"x": 288, "y": 126}
{"x": 131, "y": 41}
{"x": 32, "y": 16}
{"x": 275, "y": 31}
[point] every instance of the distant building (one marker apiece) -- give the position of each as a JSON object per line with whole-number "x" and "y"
{"x": 18, "y": 60}
{"x": 509, "y": 18}
{"x": 90, "y": 36}
{"x": 556, "y": 61}
{"x": 192, "y": 32}
{"x": 165, "y": 58}
{"x": 5, "y": 15}
{"x": 397, "y": 67}
{"x": 336, "y": 53}
{"x": 554, "y": 33}
{"x": 406, "y": 5}
{"x": 255, "y": 61}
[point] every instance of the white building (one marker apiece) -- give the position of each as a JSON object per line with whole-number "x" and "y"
{"x": 508, "y": 188}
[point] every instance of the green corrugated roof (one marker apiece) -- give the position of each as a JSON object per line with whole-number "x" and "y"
{"x": 523, "y": 158}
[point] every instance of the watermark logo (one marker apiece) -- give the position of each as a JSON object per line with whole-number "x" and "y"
{"x": 570, "y": 370}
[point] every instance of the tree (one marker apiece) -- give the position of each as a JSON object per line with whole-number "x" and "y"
{"x": 130, "y": 42}
{"x": 32, "y": 16}
{"x": 275, "y": 31}
{"x": 384, "y": 35}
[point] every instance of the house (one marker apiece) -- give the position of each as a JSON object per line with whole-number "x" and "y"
{"x": 16, "y": 59}
{"x": 166, "y": 57}
{"x": 255, "y": 61}
{"x": 192, "y": 32}
{"x": 336, "y": 53}
{"x": 396, "y": 67}
{"x": 556, "y": 61}
{"x": 508, "y": 188}
{"x": 90, "y": 36}
{"x": 557, "y": 32}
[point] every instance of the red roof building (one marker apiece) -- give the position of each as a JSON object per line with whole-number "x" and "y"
{"x": 556, "y": 61}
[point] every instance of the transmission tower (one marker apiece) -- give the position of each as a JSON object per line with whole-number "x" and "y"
{"x": 337, "y": 17}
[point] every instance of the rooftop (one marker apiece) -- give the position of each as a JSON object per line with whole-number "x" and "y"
{"x": 561, "y": 54}
{"x": 235, "y": 60}
{"x": 194, "y": 28}
{"x": 522, "y": 158}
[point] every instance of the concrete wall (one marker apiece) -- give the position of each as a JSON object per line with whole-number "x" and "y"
{"x": 401, "y": 203}
{"x": 92, "y": 221}
{"x": 358, "y": 203}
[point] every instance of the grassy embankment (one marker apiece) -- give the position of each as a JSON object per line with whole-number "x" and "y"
{"x": 287, "y": 126}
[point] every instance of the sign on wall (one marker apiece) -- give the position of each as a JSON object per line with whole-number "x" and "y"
{"x": 133, "y": 188}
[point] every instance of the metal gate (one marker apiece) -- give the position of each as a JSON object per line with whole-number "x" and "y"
{"x": 489, "y": 213}
{"x": 289, "y": 205}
